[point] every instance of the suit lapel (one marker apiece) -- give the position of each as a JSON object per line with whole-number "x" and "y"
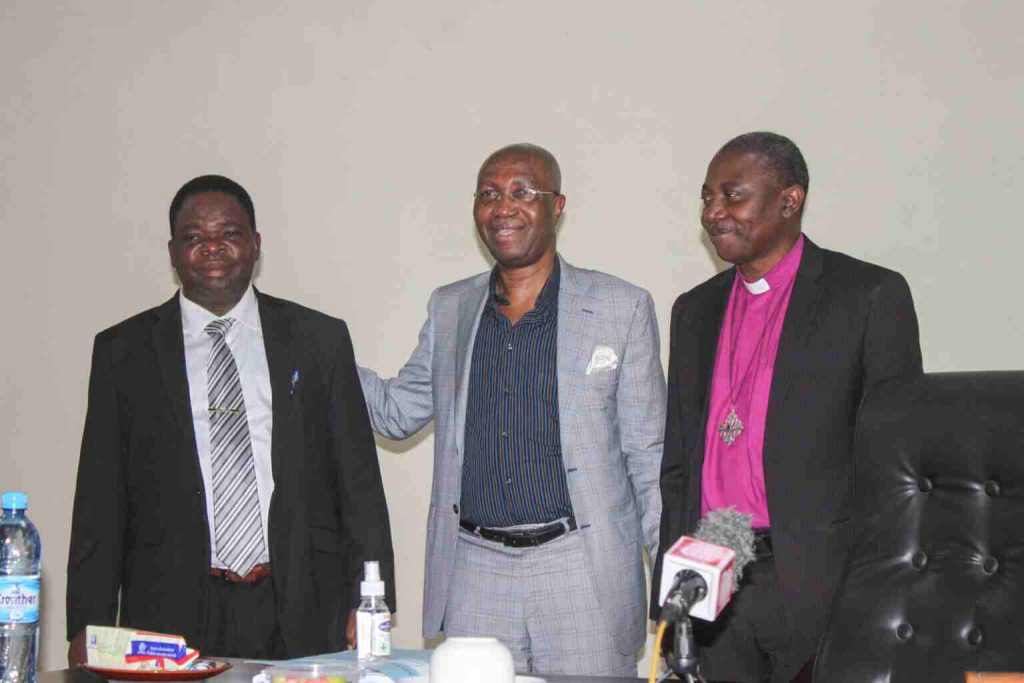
{"x": 710, "y": 330}
{"x": 708, "y": 339}
{"x": 169, "y": 342}
{"x": 281, "y": 362}
{"x": 578, "y": 316}
{"x": 471, "y": 305}
{"x": 170, "y": 352}
{"x": 801, "y": 320}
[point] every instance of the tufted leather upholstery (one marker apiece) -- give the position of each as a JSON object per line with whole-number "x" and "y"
{"x": 935, "y": 585}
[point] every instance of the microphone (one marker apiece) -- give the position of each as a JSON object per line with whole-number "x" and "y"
{"x": 710, "y": 562}
{"x": 699, "y": 574}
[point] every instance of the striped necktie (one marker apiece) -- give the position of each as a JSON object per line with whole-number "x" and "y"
{"x": 238, "y": 532}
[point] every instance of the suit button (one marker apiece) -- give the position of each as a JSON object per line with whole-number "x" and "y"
{"x": 924, "y": 484}
{"x": 992, "y": 488}
{"x": 990, "y": 565}
{"x": 905, "y": 632}
{"x": 920, "y": 560}
{"x": 974, "y": 636}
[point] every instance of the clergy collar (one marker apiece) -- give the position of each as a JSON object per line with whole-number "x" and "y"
{"x": 781, "y": 273}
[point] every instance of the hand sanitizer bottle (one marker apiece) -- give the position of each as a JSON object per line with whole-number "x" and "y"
{"x": 373, "y": 618}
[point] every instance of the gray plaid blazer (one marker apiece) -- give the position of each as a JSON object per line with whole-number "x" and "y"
{"x": 612, "y": 424}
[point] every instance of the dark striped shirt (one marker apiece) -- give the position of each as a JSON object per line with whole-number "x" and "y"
{"x": 512, "y": 471}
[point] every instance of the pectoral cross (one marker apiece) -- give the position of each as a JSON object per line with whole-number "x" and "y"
{"x": 731, "y": 428}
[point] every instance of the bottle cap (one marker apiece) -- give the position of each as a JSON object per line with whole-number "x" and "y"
{"x": 371, "y": 586}
{"x": 14, "y": 500}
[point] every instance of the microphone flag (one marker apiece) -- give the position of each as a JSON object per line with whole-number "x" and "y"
{"x": 720, "y": 549}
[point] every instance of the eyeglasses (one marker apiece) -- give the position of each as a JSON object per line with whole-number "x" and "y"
{"x": 520, "y": 195}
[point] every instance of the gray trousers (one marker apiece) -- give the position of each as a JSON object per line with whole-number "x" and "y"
{"x": 539, "y": 602}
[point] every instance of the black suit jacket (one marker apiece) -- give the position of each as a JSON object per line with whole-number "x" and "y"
{"x": 139, "y": 530}
{"x": 849, "y": 325}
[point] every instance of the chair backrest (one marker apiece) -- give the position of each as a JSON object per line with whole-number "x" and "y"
{"x": 934, "y": 586}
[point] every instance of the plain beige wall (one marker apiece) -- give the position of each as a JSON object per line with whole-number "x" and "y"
{"x": 358, "y": 128}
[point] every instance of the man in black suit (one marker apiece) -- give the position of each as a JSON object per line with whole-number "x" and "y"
{"x": 228, "y": 487}
{"x": 767, "y": 366}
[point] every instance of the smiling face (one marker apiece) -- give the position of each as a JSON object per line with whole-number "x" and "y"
{"x": 751, "y": 218}
{"x": 518, "y": 234}
{"x": 214, "y": 250}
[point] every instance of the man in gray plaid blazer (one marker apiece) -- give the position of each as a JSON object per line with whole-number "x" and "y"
{"x": 548, "y": 396}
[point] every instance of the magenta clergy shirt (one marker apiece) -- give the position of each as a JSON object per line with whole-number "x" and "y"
{"x": 733, "y": 475}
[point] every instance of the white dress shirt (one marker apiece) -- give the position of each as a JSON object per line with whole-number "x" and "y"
{"x": 245, "y": 339}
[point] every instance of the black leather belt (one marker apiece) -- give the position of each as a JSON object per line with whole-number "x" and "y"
{"x": 763, "y": 544}
{"x": 522, "y": 539}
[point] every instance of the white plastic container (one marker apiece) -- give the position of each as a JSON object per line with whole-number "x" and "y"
{"x": 472, "y": 660}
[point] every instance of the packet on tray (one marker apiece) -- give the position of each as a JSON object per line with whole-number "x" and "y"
{"x": 126, "y": 648}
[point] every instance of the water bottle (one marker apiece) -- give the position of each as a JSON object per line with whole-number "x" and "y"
{"x": 20, "y": 555}
{"x": 373, "y": 618}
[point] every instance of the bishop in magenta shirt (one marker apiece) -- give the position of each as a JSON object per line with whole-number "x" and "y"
{"x": 733, "y": 474}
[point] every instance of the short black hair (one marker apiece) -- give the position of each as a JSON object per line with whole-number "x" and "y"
{"x": 780, "y": 154}
{"x": 212, "y": 183}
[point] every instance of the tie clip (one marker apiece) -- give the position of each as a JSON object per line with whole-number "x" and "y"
{"x": 231, "y": 411}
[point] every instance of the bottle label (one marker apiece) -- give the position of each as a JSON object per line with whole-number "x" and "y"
{"x": 382, "y": 637}
{"x": 373, "y": 634}
{"x": 19, "y": 599}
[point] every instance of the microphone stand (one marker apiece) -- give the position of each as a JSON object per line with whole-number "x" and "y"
{"x": 687, "y": 588}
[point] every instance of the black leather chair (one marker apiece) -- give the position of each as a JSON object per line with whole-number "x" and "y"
{"x": 935, "y": 585}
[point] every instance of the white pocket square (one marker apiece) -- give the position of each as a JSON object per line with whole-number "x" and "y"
{"x": 603, "y": 359}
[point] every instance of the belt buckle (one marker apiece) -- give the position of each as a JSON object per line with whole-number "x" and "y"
{"x": 518, "y": 541}
{"x": 225, "y": 575}
{"x": 257, "y": 574}
{"x": 541, "y": 535}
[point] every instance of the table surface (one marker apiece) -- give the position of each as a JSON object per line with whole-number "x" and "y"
{"x": 242, "y": 672}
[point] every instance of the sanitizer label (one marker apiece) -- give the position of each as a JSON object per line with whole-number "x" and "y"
{"x": 382, "y": 641}
{"x": 19, "y": 599}
{"x": 373, "y": 634}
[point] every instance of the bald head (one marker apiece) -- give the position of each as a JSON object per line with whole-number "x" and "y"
{"x": 532, "y": 153}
